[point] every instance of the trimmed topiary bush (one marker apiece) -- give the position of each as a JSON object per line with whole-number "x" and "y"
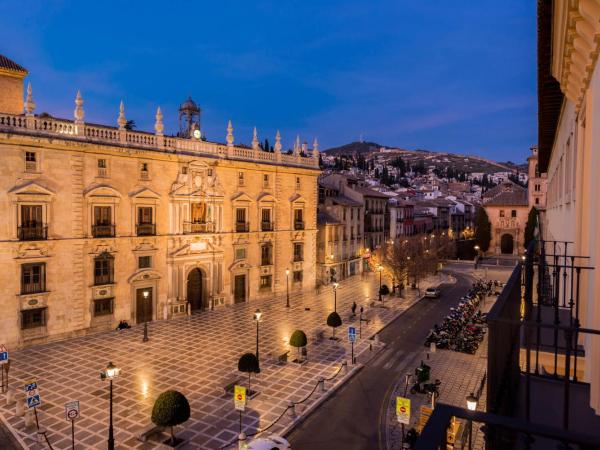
{"x": 334, "y": 320}
{"x": 248, "y": 363}
{"x": 384, "y": 290}
{"x": 171, "y": 408}
{"x": 298, "y": 340}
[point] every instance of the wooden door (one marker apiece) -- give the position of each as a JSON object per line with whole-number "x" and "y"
{"x": 239, "y": 290}
{"x": 143, "y": 307}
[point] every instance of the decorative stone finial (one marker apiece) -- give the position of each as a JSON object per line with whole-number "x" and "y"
{"x": 29, "y": 103}
{"x": 255, "y": 139}
{"x": 122, "y": 121}
{"x": 158, "y": 124}
{"x": 315, "y": 150}
{"x": 277, "y": 146}
{"x": 297, "y": 145}
{"x": 305, "y": 147}
{"x": 229, "y": 134}
{"x": 79, "y": 113}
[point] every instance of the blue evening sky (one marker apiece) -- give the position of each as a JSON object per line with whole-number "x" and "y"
{"x": 443, "y": 75}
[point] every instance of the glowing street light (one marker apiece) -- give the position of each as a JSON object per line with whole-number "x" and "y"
{"x": 287, "y": 288}
{"x": 111, "y": 372}
{"x": 257, "y": 316}
{"x": 335, "y": 286}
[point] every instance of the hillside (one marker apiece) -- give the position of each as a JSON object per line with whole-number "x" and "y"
{"x": 465, "y": 163}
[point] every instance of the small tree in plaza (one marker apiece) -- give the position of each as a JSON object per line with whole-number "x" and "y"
{"x": 298, "y": 340}
{"x": 248, "y": 363}
{"x": 483, "y": 230}
{"x": 532, "y": 219}
{"x": 334, "y": 320}
{"x": 171, "y": 408}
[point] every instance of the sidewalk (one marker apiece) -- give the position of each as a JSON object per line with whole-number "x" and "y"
{"x": 197, "y": 355}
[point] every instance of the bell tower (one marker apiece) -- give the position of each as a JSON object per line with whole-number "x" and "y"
{"x": 189, "y": 119}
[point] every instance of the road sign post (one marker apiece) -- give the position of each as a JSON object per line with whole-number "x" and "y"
{"x": 4, "y": 365}
{"x": 72, "y": 413}
{"x": 239, "y": 399}
{"x": 352, "y": 338}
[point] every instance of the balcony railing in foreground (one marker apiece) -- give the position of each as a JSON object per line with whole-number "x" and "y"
{"x": 198, "y": 227}
{"x": 500, "y": 432}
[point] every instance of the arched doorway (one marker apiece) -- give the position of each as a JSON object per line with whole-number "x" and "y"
{"x": 506, "y": 244}
{"x": 195, "y": 290}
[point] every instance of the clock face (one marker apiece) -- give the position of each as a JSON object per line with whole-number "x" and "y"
{"x": 197, "y": 134}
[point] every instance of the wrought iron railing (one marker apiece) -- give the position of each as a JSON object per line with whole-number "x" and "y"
{"x": 198, "y": 227}
{"x": 145, "y": 229}
{"x": 103, "y": 231}
{"x": 36, "y": 232}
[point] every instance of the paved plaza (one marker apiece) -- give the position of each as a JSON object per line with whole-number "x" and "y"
{"x": 198, "y": 356}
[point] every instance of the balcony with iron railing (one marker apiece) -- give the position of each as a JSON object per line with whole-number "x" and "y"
{"x": 33, "y": 232}
{"x": 298, "y": 225}
{"x": 536, "y": 395}
{"x": 145, "y": 229}
{"x": 198, "y": 227}
{"x": 103, "y": 230}
{"x": 242, "y": 227}
{"x": 267, "y": 226}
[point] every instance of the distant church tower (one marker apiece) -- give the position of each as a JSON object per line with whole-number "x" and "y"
{"x": 536, "y": 181}
{"x": 189, "y": 119}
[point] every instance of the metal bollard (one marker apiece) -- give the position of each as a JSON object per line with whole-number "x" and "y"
{"x": 241, "y": 440}
{"x": 432, "y": 347}
{"x": 10, "y": 397}
{"x": 291, "y": 409}
{"x": 322, "y": 383}
{"x": 376, "y": 338}
{"x": 40, "y": 436}
{"x": 345, "y": 367}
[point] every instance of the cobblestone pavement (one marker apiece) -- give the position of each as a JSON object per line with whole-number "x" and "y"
{"x": 461, "y": 374}
{"x": 198, "y": 356}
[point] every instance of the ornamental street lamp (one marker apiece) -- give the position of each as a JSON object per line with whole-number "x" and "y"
{"x": 109, "y": 374}
{"x": 471, "y": 406}
{"x": 145, "y": 294}
{"x": 287, "y": 288}
{"x": 335, "y": 286}
{"x": 257, "y": 316}
{"x": 380, "y": 269}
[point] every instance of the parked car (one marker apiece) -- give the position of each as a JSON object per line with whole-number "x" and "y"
{"x": 432, "y": 292}
{"x": 271, "y": 443}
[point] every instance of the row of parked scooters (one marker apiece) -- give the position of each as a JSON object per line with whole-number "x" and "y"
{"x": 464, "y": 328}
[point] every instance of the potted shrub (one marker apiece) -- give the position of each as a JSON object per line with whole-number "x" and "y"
{"x": 334, "y": 320}
{"x": 298, "y": 340}
{"x": 248, "y": 363}
{"x": 171, "y": 408}
{"x": 383, "y": 291}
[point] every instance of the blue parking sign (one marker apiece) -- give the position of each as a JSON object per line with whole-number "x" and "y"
{"x": 352, "y": 334}
{"x": 3, "y": 357}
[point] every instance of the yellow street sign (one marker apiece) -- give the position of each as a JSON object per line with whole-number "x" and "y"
{"x": 403, "y": 410}
{"x": 239, "y": 397}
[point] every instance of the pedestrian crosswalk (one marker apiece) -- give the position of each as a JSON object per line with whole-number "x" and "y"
{"x": 398, "y": 361}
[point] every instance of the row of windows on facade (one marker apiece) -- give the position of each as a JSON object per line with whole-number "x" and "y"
{"x": 33, "y": 280}
{"x": 32, "y": 226}
{"x": 32, "y": 160}
{"x": 33, "y": 276}
{"x": 513, "y": 213}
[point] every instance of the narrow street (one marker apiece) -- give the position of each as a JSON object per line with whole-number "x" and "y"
{"x": 354, "y": 417}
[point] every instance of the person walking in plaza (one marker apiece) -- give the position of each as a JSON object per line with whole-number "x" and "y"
{"x": 354, "y": 309}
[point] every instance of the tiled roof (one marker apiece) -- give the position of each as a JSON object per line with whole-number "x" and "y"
{"x": 345, "y": 201}
{"x": 9, "y": 64}
{"x": 515, "y": 198}
{"x": 367, "y": 192}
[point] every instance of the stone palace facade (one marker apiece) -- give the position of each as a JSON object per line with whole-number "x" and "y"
{"x": 101, "y": 224}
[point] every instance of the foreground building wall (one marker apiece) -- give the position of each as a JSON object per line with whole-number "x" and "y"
{"x": 103, "y": 224}
{"x": 569, "y": 91}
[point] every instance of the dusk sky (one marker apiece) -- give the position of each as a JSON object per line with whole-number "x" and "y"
{"x": 440, "y": 75}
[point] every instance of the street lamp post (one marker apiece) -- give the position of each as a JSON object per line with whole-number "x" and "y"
{"x": 109, "y": 373}
{"x": 287, "y": 288}
{"x": 471, "y": 406}
{"x": 380, "y": 269}
{"x": 145, "y": 294}
{"x": 335, "y": 286}
{"x": 257, "y": 316}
